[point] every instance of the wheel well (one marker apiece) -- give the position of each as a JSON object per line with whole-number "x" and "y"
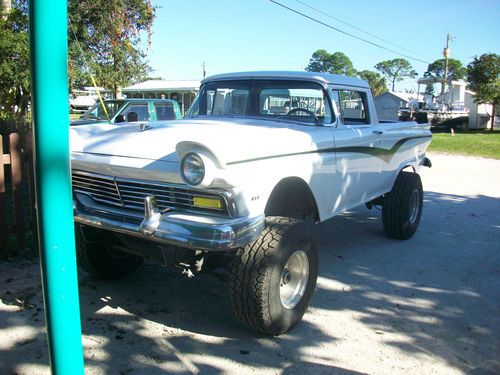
{"x": 292, "y": 198}
{"x": 408, "y": 168}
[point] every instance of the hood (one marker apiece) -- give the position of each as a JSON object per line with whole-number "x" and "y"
{"x": 86, "y": 122}
{"x": 230, "y": 140}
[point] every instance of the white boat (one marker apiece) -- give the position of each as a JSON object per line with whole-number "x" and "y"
{"x": 81, "y": 100}
{"x": 448, "y": 106}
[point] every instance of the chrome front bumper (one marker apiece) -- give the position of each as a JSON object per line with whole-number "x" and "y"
{"x": 197, "y": 232}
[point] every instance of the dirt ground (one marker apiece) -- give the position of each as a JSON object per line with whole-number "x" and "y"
{"x": 430, "y": 305}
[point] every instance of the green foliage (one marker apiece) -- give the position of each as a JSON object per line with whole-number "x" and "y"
{"x": 396, "y": 70}
{"x": 377, "y": 83}
{"x": 334, "y": 63}
{"x": 14, "y": 62}
{"x": 429, "y": 89}
{"x": 484, "y": 78}
{"x": 456, "y": 70}
{"x": 109, "y": 32}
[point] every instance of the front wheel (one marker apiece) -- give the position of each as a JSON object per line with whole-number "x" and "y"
{"x": 273, "y": 278}
{"x": 402, "y": 207}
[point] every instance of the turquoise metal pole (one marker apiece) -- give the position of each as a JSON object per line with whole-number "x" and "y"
{"x": 49, "y": 77}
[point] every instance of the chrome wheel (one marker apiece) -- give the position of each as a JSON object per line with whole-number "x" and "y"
{"x": 293, "y": 279}
{"x": 414, "y": 205}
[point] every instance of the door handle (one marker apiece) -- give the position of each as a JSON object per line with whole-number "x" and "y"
{"x": 378, "y": 132}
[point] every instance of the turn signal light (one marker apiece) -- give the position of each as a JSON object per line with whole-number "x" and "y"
{"x": 207, "y": 202}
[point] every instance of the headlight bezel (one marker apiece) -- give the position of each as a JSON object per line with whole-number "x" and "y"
{"x": 197, "y": 167}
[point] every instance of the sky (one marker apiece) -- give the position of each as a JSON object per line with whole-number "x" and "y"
{"x": 244, "y": 35}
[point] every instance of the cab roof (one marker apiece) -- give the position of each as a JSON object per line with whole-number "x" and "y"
{"x": 321, "y": 78}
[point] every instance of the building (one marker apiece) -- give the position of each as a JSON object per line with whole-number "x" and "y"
{"x": 479, "y": 114}
{"x": 390, "y": 103}
{"x": 183, "y": 91}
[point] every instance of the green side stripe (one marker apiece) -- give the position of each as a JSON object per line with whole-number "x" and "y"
{"x": 381, "y": 153}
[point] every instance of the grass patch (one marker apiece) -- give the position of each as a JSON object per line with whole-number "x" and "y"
{"x": 478, "y": 143}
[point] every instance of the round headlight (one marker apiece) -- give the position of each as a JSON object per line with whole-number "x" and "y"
{"x": 193, "y": 169}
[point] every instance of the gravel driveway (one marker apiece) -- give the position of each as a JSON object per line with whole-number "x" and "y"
{"x": 430, "y": 305}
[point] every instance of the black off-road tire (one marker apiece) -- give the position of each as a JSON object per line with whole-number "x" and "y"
{"x": 402, "y": 207}
{"x": 95, "y": 254}
{"x": 257, "y": 274}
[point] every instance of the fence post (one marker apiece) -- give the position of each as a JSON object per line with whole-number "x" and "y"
{"x": 4, "y": 229}
{"x": 31, "y": 186}
{"x": 17, "y": 180}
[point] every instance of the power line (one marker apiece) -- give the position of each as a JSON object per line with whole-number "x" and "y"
{"x": 346, "y": 33}
{"x": 359, "y": 29}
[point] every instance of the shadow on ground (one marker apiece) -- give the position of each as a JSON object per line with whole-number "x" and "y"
{"x": 436, "y": 295}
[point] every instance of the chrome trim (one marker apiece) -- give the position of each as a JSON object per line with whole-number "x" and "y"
{"x": 129, "y": 194}
{"x": 197, "y": 232}
{"x": 151, "y": 216}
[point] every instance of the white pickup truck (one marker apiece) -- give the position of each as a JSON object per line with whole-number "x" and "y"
{"x": 236, "y": 184}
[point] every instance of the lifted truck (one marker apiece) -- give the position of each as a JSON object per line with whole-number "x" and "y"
{"x": 236, "y": 184}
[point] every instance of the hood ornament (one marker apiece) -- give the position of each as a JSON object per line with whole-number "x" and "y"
{"x": 144, "y": 126}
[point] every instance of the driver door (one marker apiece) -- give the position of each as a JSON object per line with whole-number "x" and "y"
{"x": 357, "y": 144}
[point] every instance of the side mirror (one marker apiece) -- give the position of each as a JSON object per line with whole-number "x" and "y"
{"x": 120, "y": 118}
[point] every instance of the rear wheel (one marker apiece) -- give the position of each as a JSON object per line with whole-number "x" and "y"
{"x": 96, "y": 253}
{"x": 402, "y": 207}
{"x": 273, "y": 278}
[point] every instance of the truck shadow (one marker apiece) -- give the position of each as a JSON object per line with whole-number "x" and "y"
{"x": 435, "y": 295}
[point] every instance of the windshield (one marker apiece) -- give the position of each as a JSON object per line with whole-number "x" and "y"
{"x": 96, "y": 112}
{"x": 271, "y": 99}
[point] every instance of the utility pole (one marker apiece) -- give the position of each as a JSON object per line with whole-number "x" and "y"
{"x": 446, "y": 54}
{"x": 204, "y": 70}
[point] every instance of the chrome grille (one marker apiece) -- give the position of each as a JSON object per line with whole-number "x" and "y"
{"x": 130, "y": 194}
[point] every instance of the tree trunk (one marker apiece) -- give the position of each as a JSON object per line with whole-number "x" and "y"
{"x": 393, "y": 82}
{"x": 493, "y": 117}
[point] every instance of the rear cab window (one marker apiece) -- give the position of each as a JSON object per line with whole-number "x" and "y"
{"x": 165, "y": 111}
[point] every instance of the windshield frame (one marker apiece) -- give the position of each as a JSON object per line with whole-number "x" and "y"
{"x": 252, "y": 111}
{"x": 88, "y": 115}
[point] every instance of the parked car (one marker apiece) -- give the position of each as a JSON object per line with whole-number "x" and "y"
{"x": 236, "y": 184}
{"x": 130, "y": 110}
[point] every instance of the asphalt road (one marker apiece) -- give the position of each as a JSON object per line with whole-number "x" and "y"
{"x": 430, "y": 305}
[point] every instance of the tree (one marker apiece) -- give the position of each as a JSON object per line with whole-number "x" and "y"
{"x": 483, "y": 75}
{"x": 14, "y": 60}
{"x": 377, "y": 83}
{"x": 456, "y": 70}
{"x": 334, "y": 63}
{"x": 109, "y": 33}
{"x": 5, "y": 7}
{"x": 429, "y": 90}
{"x": 396, "y": 70}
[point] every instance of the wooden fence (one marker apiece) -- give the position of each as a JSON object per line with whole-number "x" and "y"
{"x": 17, "y": 196}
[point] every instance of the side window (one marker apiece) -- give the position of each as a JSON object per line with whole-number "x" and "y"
{"x": 165, "y": 111}
{"x": 353, "y": 107}
{"x": 136, "y": 112}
